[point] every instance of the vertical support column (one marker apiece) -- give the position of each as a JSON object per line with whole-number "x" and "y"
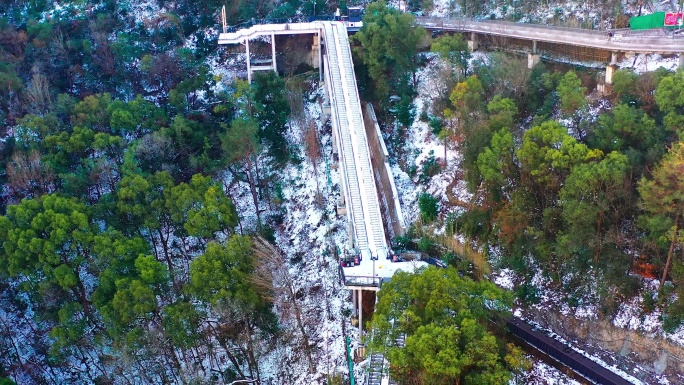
{"x": 533, "y": 58}
{"x": 612, "y": 66}
{"x": 320, "y": 56}
{"x": 354, "y": 300}
{"x": 681, "y": 60}
{"x": 360, "y": 311}
{"x": 249, "y": 66}
{"x": 316, "y": 52}
{"x": 472, "y": 43}
{"x": 610, "y": 70}
{"x": 273, "y": 53}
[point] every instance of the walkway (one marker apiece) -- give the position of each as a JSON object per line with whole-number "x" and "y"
{"x": 359, "y": 192}
{"x": 623, "y": 40}
{"x": 361, "y": 196}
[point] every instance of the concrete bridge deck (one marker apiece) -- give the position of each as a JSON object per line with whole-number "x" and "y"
{"x": 648, "y": 41}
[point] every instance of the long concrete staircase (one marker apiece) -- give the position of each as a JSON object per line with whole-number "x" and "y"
{"x": 362, "y": 197}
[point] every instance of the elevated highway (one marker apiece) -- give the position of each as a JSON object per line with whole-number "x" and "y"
{"x": 620, "y": 40}
{"x": 605, "y": 44}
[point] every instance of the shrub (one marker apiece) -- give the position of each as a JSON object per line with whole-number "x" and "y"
{"x": 436, "y": 125}
{"x": 673, "y": 316}
{"x": 527, "y": 293}
{"x": 428, "y": 206}
{"x": 649, "y": 301}
{"x": 429, "y": 168}
{"x": 400, "y": 243}
{"x": 424, "y": 244}
{"x": 424, "y": 117}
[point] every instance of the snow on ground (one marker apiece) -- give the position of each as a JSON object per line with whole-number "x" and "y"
{"x": 629, "y": 315}
{"x": 544, "y": 374}
{"x": 421, "y": 144}
{"x": 647, "y": 63}
{"x": 307, "y": 228}
{"x": 143, "y": 11}
{"x": 226, "y": 70}
{"x": 505, "y": 278}
{"x": 69, "y": 11}
{"x": 421, "y": 141}
{"x": 442, "y": 8}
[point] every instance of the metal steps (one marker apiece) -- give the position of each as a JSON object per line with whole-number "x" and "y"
{"x": 375, "y": 369}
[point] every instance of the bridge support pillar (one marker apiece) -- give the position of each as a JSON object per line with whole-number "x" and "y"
{"x": 472, "y": 42}
{"x": 612, "y": 67}
{"x": 354, "y": 300}
{"x": 607, "y": 87}
{"x": 320, "y": 56}
{"x": 273, "y": 53}
{"x": 681, "y": 60}
{"x": 610, "y": 71}
{"x": 249, "y": 66}
{"x": 532, "y": 60}
{"x": 315, "y": 52}
{"x": 360, "y": 307}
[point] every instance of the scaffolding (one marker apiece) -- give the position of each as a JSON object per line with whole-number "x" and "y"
{"x": 553, "y": 51}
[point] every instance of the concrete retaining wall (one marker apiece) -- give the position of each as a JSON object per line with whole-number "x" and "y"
{"x": 653, "y": 353}
{"x": 384, "y": 180}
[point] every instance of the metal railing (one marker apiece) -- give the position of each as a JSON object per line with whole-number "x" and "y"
{"x": 279, "y": 20}
{"x": 359, "y": 280}
{"x": 656, "y": 40}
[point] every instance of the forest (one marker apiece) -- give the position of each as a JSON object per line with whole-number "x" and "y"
{"x": 582, "y": 188}
{"x": 123, "y": 258}
{"x": 120, "y": 255}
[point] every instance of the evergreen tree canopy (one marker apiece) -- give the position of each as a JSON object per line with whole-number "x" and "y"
{"x": 444, "y": 318}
